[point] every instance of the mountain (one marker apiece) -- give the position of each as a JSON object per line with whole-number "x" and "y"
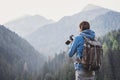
{"x": 104, "y": 23}
{"x": 111, "y": 57}
{"x": 91, "y": 7}
{"x": 27, "y": 24}
{"x": 17, "y": 56}
{"x": 50, "y": 38}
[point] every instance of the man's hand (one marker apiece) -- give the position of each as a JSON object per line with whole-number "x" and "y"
{"x": 71, "y": 37}
{"x": 70, "y": 40}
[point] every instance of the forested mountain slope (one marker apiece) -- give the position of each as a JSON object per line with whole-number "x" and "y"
{"x": 17, "y": 56}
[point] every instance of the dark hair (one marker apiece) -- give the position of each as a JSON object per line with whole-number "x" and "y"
{"x": 84, "y": 25}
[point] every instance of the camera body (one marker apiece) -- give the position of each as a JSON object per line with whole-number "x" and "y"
{"x": 70, "y": 40}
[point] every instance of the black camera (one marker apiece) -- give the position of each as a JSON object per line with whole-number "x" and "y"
{"x": 70, "y": 39}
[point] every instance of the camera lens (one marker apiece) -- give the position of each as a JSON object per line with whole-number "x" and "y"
{"x": 67, "y": 42}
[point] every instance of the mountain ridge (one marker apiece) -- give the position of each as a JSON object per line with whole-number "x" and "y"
{"x": 51, "y": 37}
{"x": 27, "y": 24}
{"x": 91, "y": 7}
{"x": 17, "y": 56}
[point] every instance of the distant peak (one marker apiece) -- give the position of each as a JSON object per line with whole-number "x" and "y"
{"x": 42, "y": 17}
{"x": 91, "y": 7}
{"x": 37, "y": 15}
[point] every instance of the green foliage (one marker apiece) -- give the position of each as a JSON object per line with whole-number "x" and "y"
{"x": 59, "y": 68}
{"x": 111, "y": 45}
{"x": 18, "y": 59}
{"x": 115, "y": 45}
{"x": 105, "y": 47}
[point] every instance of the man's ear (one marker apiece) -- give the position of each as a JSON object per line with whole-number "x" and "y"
{"x": 80, "y": 30}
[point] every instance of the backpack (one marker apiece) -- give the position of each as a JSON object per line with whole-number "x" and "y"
{"x": 92, "y": 55}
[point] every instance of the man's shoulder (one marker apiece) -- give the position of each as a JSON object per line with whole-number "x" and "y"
{"x": 79, "y": 37}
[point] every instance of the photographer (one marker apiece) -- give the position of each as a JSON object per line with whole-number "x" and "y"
{"x": 77, "y": 46}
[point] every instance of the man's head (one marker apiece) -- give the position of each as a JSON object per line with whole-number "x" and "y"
{"x": 84, "y": 25}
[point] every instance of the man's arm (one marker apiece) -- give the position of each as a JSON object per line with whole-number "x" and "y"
{"x": 73, "y": 47}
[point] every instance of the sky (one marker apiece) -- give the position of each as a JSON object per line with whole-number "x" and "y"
{"x": 50, "y": 9}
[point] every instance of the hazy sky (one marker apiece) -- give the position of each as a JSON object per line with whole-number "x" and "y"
{"x": 51, "y": 9}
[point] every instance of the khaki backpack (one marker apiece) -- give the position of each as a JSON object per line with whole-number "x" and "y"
{"x": 92, "y": 55}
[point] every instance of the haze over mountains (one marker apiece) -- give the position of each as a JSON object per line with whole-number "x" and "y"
{"x": 27, "y": 24}
{"x": 50, "y": 38}
{"x": 17, "y": 56}
{"x": 20, "y": 60}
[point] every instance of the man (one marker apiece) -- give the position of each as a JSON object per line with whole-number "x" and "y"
{"x": 77, "y": 47}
